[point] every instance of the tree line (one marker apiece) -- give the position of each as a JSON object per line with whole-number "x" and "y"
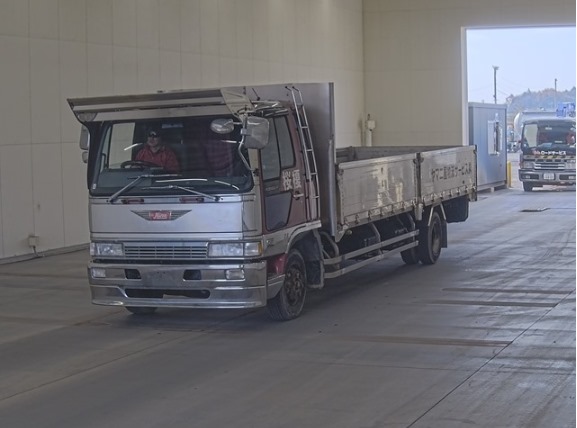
{"x": 546, "y": 99}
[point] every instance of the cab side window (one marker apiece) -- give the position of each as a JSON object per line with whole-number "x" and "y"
{"x": 269, "y": 156}
{"x": 287, "y": 156}
{"x": 278, "y": 154}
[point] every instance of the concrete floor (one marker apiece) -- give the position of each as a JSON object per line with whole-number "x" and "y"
{"x": 485, "y": 338}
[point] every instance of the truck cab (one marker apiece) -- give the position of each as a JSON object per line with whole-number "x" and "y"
{"x": 211, "y": 232}
{"x": 547, "y": 154}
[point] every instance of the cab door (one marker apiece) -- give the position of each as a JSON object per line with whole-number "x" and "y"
{"x": 283, "y": 177}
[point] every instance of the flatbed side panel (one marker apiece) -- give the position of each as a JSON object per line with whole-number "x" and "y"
{"x": 447, "y": 173}
{"x": 348, "y": 154}
{"x": 375, "y": 188}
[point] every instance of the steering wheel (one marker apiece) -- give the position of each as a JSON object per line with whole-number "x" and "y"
{"x": 137, "y": 164}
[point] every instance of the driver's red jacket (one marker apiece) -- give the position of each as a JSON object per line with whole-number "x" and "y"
{"x": 164, "y": 157}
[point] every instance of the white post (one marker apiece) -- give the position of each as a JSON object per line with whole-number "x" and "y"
{"x": 369, "y": 126}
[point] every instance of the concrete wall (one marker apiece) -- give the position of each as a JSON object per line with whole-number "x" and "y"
{"x": 414, "y": 53}
{"x": 399, "y": 60}
{"x": 54, "y": 49}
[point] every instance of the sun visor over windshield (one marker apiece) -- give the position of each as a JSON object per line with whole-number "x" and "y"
{"x": 181, "y": 103}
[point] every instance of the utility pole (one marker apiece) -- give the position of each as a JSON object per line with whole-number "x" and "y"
{"x": 555, "y": 96}
{"x": 495, "y": 68}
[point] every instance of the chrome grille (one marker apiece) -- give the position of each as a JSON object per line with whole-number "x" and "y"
{"x": 550, "y": 164}
{"x": 166, "y": 251}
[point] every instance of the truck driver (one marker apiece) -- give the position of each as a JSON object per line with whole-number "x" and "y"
{"x": 155, "y": 152}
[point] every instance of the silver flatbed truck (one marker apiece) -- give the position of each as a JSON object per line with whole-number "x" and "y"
{"x": 261, "y": 206}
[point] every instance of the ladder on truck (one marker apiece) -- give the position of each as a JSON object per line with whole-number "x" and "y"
{"x": 311, "y": 173}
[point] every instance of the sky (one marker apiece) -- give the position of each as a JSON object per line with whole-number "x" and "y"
{"x": 528, "y": 58}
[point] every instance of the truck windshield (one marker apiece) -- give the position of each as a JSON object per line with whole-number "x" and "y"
{"x": 549, "y": 133}
{"x": 171, "y": 156}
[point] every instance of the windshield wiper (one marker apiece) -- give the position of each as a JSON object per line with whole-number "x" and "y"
{"x": 205, "y": 180}
{"x": 186, "y": 189}
{"x": 135, "y": 181}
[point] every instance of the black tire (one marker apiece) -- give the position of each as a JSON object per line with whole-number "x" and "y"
{"x": 288, "y": 303}
{"x": 137, "y": 310}
{"x": 431, "y": 240}
{"x": 410, "y": 256}
{"x": 527, "y": 187}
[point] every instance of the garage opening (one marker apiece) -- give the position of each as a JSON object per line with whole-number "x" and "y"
{"x": 510, "y": 72}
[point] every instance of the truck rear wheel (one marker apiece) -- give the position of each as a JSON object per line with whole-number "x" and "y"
{"x": 527, "y": 187}
{"x": 410, "y": 256}
{"x": 431, "y": 240}
{"x": 288, "y": 303}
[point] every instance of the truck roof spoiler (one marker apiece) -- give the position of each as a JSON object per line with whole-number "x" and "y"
{"x": 199, "y": 102}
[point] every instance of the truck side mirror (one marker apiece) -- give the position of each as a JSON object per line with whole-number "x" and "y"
{"x": 222, "y": 126}
{"x": 255, "y": 132}
{"x": 84, "y": 138}
{"x": 84, "y": 143}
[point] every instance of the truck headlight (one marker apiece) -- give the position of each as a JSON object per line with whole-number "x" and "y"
{"x": 236, "y": 249}
{"x": 570, "y": 164}
{"x": 527, "y": 164}
{"x": 102, "y": 249}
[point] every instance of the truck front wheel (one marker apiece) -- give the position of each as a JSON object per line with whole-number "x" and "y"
{"x": 431, "y": 240}
{"x": 527, "y": 187}
{"x": 288, "y": 303}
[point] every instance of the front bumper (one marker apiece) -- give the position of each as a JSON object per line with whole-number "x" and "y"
{"x": 182, "y": 286}
{"x": 543, "y": 177}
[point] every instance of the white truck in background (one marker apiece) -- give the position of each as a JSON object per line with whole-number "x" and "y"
{"x": 547, "y": 150}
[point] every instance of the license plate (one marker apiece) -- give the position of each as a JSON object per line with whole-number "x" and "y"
{"x": 158, "y": 279}
{"x": 548, "y": 176}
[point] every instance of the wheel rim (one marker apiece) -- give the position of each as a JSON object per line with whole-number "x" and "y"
{"x": 294, "y": 285}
